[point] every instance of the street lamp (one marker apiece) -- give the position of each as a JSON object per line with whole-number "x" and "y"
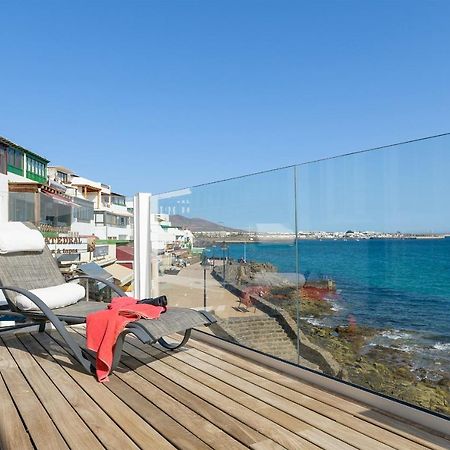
{"x": 213, "y": 256}
{"x": 224, "y": 247}
{"x": 206, "y": 266}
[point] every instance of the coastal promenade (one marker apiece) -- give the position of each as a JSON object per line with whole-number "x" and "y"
{"x": 187, "y": 289}
{"x": 201, "y": 397}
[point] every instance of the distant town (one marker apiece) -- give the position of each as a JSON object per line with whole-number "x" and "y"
{"x": 241, "y": 236}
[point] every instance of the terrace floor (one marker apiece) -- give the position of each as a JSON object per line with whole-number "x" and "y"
{"x": 198, "y": 398}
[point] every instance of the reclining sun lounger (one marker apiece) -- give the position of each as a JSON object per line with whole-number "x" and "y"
{"x": 35, "y": 289}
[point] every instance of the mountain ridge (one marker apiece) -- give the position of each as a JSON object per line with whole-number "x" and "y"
{"x": 197, "y": 224}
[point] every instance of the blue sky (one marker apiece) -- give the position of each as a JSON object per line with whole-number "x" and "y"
{"x": 158, "y": 95}
{"x": 401, "y": 188}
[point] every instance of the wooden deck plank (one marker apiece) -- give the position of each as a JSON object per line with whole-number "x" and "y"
{"x": 316, "y": 420}
{"x": 319, "y": 407}
{"x": 209, "y": 433}
{"x": 254, "y": 419}
{"x": 205, "y": 431}
{"x": 266, "y": 445}
{"x": 233, "y": 427}
{"x": 175, "y": 433}
{"x": 178, "y": 435}
{"x": 198, "y": 398}
{"x": 42, "y": 430}
{"x": 380, "y": 419}
{"x": 101, "y": 425}
{"x": 131, "y": 423}
{"x": 251, "y": 401}
{"x": 72, "y": 428}
{"x": 12, "y": 432}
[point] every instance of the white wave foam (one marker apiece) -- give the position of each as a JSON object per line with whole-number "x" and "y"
{"x": 336, "y": 308}
{"x": 314, "y": 321}
{"x": 395, "y": 335}
{"x": 407, "y": 348}
{"x": 441, "y": 346}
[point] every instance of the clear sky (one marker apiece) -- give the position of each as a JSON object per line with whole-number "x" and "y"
{"x": 158, "y": 95}
{"x": 400, "y": 188}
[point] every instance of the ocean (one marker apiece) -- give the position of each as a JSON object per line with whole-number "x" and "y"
{"x": 399, "y": 286}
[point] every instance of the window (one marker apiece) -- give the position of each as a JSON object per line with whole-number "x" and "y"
{"x": 115, "y": 221}
{"x": 99, "y": 218}
{"x": 21, "y": 206}
{"x": 118, "y": 200}
{"x": 15, "y": 158}
{"x": 35, "y": 167}
{"x": 84, "y": 212}
{"x": 53, "y": 213}
{"x": 3, "y": 160}
{"x": 62, "y": 176}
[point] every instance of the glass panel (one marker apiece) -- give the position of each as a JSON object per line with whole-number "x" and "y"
{"x": 3, "y": 160}
{"x": 54, "y": 213}
{"x": 19, "y": 159}
{"x": 22, "y": 206}
{"x": 340, "y": 265}
{"x": 3, "y": 199}
{"x": 374, "y": 249}
{"x": 83, "y": 211}
{"x": 227, "y": 246}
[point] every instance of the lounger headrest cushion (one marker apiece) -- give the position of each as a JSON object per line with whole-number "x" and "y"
{"x": 54, "y": 297}
{"x": 17, "y": 237}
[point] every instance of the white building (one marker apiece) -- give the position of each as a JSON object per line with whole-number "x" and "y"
{"x": 99, "y": 210}
{"x": 3, "y": 197}
{"x": 165, "y": 237}
{"x": 112, "y": 218}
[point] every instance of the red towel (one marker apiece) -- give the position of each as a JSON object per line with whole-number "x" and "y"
{"x": 104, "y": 327}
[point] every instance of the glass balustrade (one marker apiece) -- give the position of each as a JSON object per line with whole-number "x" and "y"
{"x": 341, "y": 265}
{"x": 214, "y": 244}
{"x": 374, "y": 248}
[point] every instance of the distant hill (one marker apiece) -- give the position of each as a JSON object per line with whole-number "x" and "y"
{"x": 196, "y": 224}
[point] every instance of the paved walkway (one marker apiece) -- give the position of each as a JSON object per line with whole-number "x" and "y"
{"x": 187, "y": 289}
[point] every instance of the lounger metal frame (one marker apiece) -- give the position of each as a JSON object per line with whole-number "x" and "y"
{"x": 84, "y": 356}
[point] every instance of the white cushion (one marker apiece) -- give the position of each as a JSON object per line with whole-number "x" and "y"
{"x": 54, "y": 296}
{"x": 17, "y": 237}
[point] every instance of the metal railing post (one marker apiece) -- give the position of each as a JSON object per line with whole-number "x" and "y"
{"x": 142, "y": 260}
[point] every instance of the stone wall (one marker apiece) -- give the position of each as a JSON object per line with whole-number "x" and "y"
{"x": 316, "y": 355}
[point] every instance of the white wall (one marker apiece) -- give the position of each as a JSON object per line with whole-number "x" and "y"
{"x": 83, "y": 228}
{"x": 93, "y": 197}
{"x": 110, "y": 232}
{"x": 3, "y": 212}
{"x": 118, "y": 209}
{"x": 3, "y": 198}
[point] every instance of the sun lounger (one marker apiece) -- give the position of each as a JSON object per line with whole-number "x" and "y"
{"x": 22, "y": 272}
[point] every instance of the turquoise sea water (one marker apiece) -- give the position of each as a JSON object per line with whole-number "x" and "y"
{"x": 401, "y": 286}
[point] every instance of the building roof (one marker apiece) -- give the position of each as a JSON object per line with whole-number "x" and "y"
{"x": 80, "y": 181}
{"x": 62, "y": 169}
{"x": 122, "y": 274}
{"x": 9, "y": 143}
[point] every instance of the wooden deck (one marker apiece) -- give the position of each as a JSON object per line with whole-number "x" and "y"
{"x": 199, "y": 398}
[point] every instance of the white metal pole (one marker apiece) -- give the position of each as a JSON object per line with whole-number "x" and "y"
{"x": 142, "y": 265}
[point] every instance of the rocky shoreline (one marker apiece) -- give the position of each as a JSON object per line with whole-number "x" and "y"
{"x": 385, "y": 369}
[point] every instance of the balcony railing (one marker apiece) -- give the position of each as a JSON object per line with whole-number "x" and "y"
{"x": 340, "y": 266}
